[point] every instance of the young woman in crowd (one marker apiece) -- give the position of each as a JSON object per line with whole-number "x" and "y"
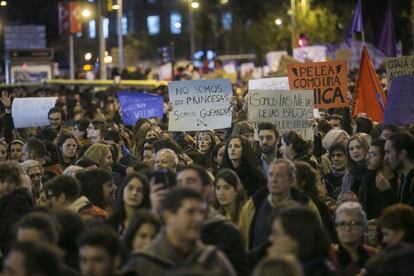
{"x": 132, "y": 196}
{"x": 205, "y": 143}
{"x": 357, "y": 150}
{"x": 66, "y": 150}
{"x": 298, "y": 231}
{"x": 79, "y": 131}
{"x": 101, "y": 155}
{"x": 98, "y": 187}
{"x": 293, "y": 147}
{"x": 308, "y": 182}
{"x": 142, "y": 229}
{"x": 141, "y": 128}
{"x": 216, "y": 158}
{"x": 229, "y": 194}
{"x": 239, "y": 156}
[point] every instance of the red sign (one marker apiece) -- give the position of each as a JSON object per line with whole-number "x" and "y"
{"x": 69, "y": 18}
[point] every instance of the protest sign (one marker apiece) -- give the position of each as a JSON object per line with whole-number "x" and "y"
{"x": 32, "y": 112}
{"x": 200, "y": 105}
{"x": 230, "y": 68}
{"x": 400, "y": 108}
{"x": 399, "y": 66}
{"x": 165, "y": 72}
{"x": 328, "y": 80}
{"x": 136, "y": 105}
{"x": 281, "y": 83}
{"x": 289, "y": 110}
{"x": 314, "y": 53}
{"x": 246, "y": 68}
{"x": 273, "y": 59}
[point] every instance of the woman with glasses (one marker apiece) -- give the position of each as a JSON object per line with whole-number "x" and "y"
{"x": 351, "y": 254}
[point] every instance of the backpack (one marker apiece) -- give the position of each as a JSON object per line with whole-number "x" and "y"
{"x": 200, "y": 266}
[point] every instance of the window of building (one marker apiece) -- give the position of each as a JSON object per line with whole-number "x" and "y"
{"x": 106, "y": 27}
{"x": 153, "y": 24}
{"x": 92, "y": 29}
{"x": 175, "y": 23}
{"x": 227, "y": 20}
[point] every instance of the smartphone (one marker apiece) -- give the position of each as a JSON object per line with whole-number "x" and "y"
{"x": 161, "y": 177}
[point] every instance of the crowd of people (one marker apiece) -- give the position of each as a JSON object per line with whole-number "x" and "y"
{"x": 88, "y": 195}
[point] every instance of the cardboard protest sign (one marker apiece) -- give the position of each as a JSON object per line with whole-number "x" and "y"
{"x": 314, "y": 53}
{"x": 328, "y": 80}
{"x": 200, "y": 105}
{"x": 400, "y": 108}
{"x": 32, "y": 112}
{"x": 281, "y": 83}
{"x": 289, "y": 110}
{"x": 273, "y": 59}
{"x": 399, "y": 66}
{"x": 136, "y": 105}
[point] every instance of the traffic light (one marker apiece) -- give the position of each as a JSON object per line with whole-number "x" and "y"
{"x": 165, "y": 54}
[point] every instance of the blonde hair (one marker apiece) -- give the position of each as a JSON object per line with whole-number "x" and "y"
{"x": 97, "y": 153}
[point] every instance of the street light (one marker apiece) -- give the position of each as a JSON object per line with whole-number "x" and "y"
{"x": 278, "y": 21}
{"x": 195, "y": 5}
{"x": 3, "y": 3}
{"x": 86, "y": 13}
{"x": 88, "y": 56}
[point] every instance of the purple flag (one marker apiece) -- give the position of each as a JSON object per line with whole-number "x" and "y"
{"x": 387, "y": 41}
{"x": 356, "y": 26}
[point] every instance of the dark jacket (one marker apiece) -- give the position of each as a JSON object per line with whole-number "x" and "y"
{"x": 12, "y": 208}
{"x": 219, "y": 231}
{"x": 162, "y": 257}
{"x": 252, "y": 180}
{"x": 373, "y": 200}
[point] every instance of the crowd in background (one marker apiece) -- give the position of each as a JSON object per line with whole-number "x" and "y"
{"x": 88, "y": 195}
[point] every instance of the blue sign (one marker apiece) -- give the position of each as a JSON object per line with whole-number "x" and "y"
{"x": 135, "y": 105}
{"x": 400, "y": 105}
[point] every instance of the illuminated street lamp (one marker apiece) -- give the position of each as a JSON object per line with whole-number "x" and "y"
{"x": 195, "y": 5}
{"x": 3, "y": 3}
{"x": 88, "y": 56}
{"x": 278, "y": 21}
{"x": 86, "y": 13}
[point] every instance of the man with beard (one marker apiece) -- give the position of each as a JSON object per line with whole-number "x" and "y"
{"x": 268, "y": 140}
{"x": 380, "y": 185}
{"x": 399, "y": 154}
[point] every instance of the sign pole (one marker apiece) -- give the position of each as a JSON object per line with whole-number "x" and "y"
{"x": 71, "y": 57}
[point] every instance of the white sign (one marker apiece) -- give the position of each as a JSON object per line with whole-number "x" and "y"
{"x": 315, "y": 53}
{"x": 273, "y": 59}
{"x": 200, "y": 105}
{"x": 246, "y": 68}
{"x": 289, "y": 110}
{"x": 269, "y": 84}
{"x": 230, "y": 68}
{"x": 165, "y": 72}
{"x": 32, "y": 112}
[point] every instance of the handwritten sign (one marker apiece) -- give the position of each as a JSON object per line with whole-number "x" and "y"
{"x": 200, "y": 105}
{"x": 135, "y": 105}
{"x": 269, "y": 84}
{"x": 32, "y": 112}
{"x": 400, "y": 103}
{"x": 314, "y": 53}
{"x": 328, "y": 80}
{"x": 399, "y": 66}
{"x": 273, "y": 59}
{"x": 289, "y": 110}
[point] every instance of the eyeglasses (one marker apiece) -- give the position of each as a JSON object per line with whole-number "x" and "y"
{"x": 352, "y": 223}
